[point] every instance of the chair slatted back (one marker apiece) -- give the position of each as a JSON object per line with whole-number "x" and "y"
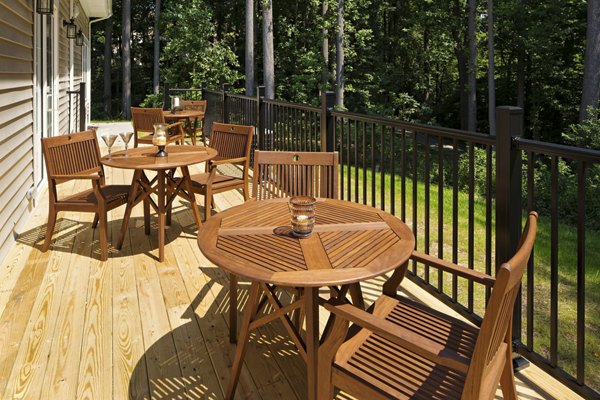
{"x": 231, "y": 141}
{"x": 287, "y": 173}
{"x": 143, "y": 119}
{"x": 496, "y": 327}
{"x": 71, "y": 154}
{"x": 196, "y": 105}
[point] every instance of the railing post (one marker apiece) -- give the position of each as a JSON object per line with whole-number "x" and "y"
{"x": 225, "y": 105}
{"x": 508, "y": 194}
{"x": 203, "y": 89}
{"x": 260, "y": 120}
{"x": 327, "y": 102}
{"x": 166, "y": 97}
{"x": 82, "y": 109}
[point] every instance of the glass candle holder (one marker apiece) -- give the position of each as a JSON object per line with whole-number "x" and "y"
{"x": 160, "y": 138}
{"x": 302, "y": 209}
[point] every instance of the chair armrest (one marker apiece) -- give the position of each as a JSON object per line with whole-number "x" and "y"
{"x": 459, "y": 270}
{"x": 418, "y": 344}
{"x": 229, "y": 161}
{"x": 169, "y": 126}
{"x": 177, "y": 127}
{"x": 77, "y": 176}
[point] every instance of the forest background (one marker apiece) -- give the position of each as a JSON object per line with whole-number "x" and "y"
{"x": 421, "y": 61}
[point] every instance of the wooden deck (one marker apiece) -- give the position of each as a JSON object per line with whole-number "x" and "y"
{"x": 73, "y": 327}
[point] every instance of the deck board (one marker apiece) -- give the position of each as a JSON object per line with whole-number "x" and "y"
{"x": 73, "y": 327}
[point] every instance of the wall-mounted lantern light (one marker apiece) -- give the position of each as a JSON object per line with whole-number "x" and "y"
{"x": 71, "y": 28}
{"x": 79, "y": 38}
{"x": 44, "y": 6}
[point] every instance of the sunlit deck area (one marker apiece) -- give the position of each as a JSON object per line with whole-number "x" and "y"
{"x": 73, "y": 327}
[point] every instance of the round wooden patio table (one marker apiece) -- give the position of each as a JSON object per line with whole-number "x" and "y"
{"x": 188, "y": 116}
{"x": 350, "y": 243}
{"x": 163, "y": 185}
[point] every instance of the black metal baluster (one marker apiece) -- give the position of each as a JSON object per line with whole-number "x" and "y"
{"x": 554, "y": 263}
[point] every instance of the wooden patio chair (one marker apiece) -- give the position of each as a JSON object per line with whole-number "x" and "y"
{"x": 77, "y": 156}
{"x": 406, "y": 350}
{"x": 233, "y": 143}
{"x": 279, "y": 174}
{"x": 288, "y": 173}
{"x": 198, "y": 123}
{"x": 143, "y": 120}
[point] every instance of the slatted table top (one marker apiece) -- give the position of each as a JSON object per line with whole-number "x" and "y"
{"x": 350, "y": 242}
{"x": 144, "y": 157}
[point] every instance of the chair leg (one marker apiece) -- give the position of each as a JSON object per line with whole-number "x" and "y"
{"x": 103, "y": 234}
{"x": 49, "y": 230}
{"x": 208, "y": 204}
{"x": 233, "y": 307}
{"x": 95, "y": 223}
{"x": 507, "y": 380}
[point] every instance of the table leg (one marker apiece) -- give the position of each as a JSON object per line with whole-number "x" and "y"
{"x": 311, "y": 309}
{"x": 146, "y": 208}
{"x": 130, "y": 203}
{"x": 188, "y": 187}
{"x": 161, "y": 214}
{"x": 242, "y": 345}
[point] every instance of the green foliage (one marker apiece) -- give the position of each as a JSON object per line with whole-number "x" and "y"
{"x": 191, "y": 52}
{"x": 152, "y": 100}
{"x": 586, "y": 134}
{"x": 401, "y": 58}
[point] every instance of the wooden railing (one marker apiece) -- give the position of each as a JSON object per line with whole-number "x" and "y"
{"x": 464, "y": 194}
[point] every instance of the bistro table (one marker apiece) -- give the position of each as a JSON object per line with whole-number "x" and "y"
{"x": 188, "y": 116}
{"x": 350, "y": 243}
{"x": 163, "y": 185}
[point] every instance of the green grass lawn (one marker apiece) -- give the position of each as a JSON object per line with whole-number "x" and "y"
{"x": 567, "y": 267}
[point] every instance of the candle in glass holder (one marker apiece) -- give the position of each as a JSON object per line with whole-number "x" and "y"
{"x": 302, "y": 210}
{"x": 175, "y": 101}
{"x": 160, "y": 138}
{"x": 160, "y": 135}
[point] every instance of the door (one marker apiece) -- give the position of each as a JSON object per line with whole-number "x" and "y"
{"x": 45, "y": 32}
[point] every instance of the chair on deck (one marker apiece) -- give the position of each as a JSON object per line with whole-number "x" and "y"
{"x": 77, "y": 156}
{"x": 288, "y": 173}
{"x": 233, "y": 143}
{"x": 143, "y": 120}
{"x": 198, "y": 123}
{"x": 406, "y": 350}
{"x": 284, "y": 174}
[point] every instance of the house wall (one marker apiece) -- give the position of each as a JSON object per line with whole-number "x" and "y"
{"x": 16, "y": 116}
{"x": 17, "y": 136}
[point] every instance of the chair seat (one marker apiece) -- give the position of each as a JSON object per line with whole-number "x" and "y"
{"x": 387, "y": 368}
{"x": 220, "y": 182}
{"x": 115, "y": 196}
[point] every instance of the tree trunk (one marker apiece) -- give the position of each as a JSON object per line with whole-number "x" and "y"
{"x": 325, "y": 50}
{"x": 521, "y": 55}
{"x": 156, "y": 68}
{"x": 461, "y": 59}
{"x": 249, "y": 61}
{"x": 107, "y": 95}
{"x": 339, "y": 46}
{"x": 268, "y": 56}
{"x": 591, "y": 72}
{"x": 126, "y": 58}
{"x": 472, "y": 69}
{"x": 491, "y": 70}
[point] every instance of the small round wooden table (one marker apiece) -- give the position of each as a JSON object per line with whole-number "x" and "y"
{"x": 350, "y": 243}
{"x": 163, "y": 185}
{"x": 188, "y": 116}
